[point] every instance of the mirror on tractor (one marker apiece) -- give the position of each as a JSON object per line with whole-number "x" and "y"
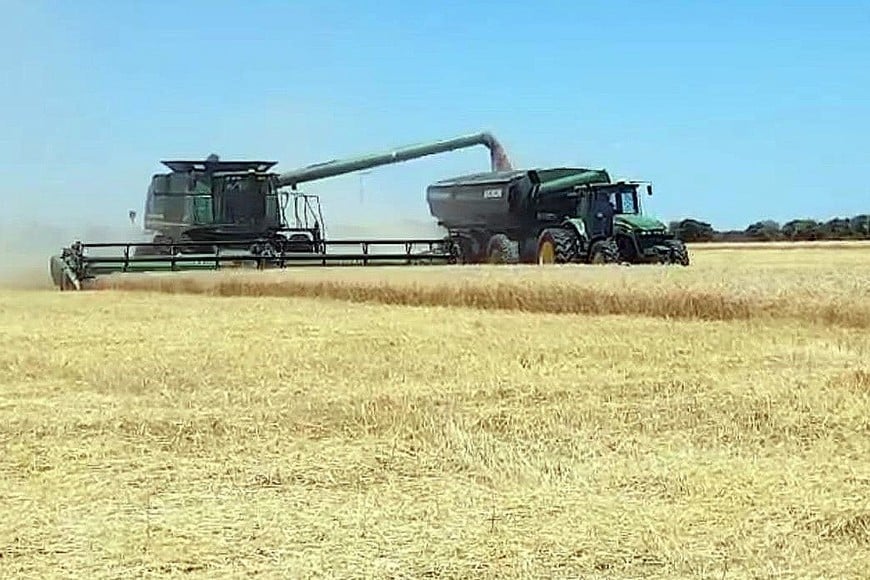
{"x": 649, "y": 189}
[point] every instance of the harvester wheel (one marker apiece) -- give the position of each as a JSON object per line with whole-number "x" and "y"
{"x": 140, "y": 251}
{"x": 556, "y": 246}
{"x": 298, "y": 243}
{"x": 604, "y": 252}
{"x": 501, "y": 250}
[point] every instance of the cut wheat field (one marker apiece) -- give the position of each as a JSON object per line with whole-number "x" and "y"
{"x": 583, "y": 422}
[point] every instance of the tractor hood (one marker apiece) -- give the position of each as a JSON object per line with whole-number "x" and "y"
{"x": 638, "y": 222}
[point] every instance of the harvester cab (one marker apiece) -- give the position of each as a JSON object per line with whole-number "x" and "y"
{"x": 224, "y": 201}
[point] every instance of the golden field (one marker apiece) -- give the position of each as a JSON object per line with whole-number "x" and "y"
{"x": 583, "y": 422}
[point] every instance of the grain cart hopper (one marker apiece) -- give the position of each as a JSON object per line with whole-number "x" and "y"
{"x": 554, "y": 215}
{"x": 212, "y": 214}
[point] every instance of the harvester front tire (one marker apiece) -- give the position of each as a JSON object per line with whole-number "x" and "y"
{"x": 556, "y": 246}
{"x": 501, "y": 250}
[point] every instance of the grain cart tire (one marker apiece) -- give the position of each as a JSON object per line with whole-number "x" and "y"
{"x": 604, "y": 252}
{"x": 464, "y": 249}
{"x": 556, "y": 246}
{"x": 501, "y": 250}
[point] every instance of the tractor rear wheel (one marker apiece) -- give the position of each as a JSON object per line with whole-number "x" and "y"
{"x": 557, "y": 246}
{"x": 681, "y": 255}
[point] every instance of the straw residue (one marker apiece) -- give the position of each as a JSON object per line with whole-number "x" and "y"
{"x": 659, "y": 293}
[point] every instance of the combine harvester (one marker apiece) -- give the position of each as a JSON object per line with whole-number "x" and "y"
{"x": 213, "y": 214}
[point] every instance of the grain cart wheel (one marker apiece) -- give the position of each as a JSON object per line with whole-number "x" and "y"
{"x": 556, "y": 246}
{"x": 604, "y": 252}
{"x": 501, "y": 250}
{"x": 461, "y": 249}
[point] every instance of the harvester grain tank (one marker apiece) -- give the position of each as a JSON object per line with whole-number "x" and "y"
{"x": 210, "y": 214}
{"x": 552, "y": 215}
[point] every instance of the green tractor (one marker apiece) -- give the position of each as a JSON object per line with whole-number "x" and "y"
{"x": 556, "y": 215}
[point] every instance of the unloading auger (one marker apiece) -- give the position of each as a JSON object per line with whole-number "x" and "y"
{"x": 213, "y": 214}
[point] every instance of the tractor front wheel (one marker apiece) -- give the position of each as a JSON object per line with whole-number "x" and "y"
{"x": 681, "y": 255}
{"x": 604, "y": 252}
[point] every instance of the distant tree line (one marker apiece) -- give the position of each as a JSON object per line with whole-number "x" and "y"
{"x": 855, "y": 228}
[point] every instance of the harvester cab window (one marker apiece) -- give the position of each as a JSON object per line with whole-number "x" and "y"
{"x": 170, "y": 196}
{"x": 200, "y": 208}
{"x": 244, "y": 201}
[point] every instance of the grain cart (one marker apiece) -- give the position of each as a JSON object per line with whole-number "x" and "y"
{"x": 553, "y": 215}
{"x": 212, "y": 214}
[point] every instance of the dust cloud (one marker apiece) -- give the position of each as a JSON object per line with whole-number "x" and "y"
{"x": 387, "y": 229}
{"x": 25, "y": 248}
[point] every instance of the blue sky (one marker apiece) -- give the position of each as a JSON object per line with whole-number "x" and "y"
{"x": 736, "y": 111}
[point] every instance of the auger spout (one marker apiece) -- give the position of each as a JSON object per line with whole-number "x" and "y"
{"x": 499, "y": 160}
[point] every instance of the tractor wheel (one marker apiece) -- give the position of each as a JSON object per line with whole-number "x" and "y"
{"x": 627, "y": 252}
{"x": 556, "y": 246}
{"x": 604, "y": 252}
{"x": 501, "y": 250}
{"x": 681, "y": 255}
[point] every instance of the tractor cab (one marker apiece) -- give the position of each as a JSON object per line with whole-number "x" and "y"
{"x": 599, "y": 204}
